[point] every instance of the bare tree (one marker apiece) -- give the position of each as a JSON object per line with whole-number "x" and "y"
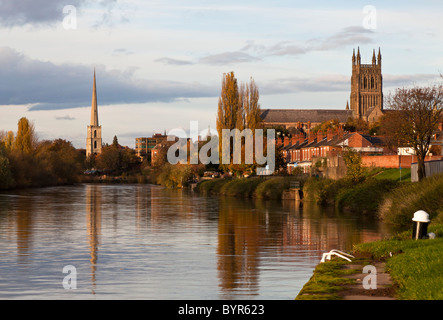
{"x": 412, "y": 119}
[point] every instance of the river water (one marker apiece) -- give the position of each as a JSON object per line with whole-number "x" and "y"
{"x": 148, "y": 242}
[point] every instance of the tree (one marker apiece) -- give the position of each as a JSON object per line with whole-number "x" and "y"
{"x": 228, "y": 104}
{"x": 26, "y": 139}
{"x": 355, "y": 171}
{"x": 238, "y": 108}
{"x": 412, "y": 119}
{"x": 115, "y": 142}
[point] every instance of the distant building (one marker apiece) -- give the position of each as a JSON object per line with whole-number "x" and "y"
{"x": 305, "y": 119}
{"x": 94, "y": 131}
{"x": 145, "y": 145}
{"x": 367, "y": 88}
{"x": 366, "y": 101}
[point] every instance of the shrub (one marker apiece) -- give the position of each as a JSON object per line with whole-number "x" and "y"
{"x": 398, "y": 207}
{"x": 364, "y": 197}
{"x": 272, "y": 188}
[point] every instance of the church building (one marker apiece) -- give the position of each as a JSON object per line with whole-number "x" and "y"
{"x": 366, "y": 101}
{"x": 94, "y": 131}
{"x": 367, "y": 88}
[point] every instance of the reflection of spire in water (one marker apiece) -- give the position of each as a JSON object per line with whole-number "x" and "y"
{"x": 93, "y": 225}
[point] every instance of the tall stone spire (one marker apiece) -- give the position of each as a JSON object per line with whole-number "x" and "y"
{"x": 94, "y": 109}
{"x": 94, "y": 138}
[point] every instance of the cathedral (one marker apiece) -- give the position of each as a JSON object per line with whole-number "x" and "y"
{"x": 366, "y": 100}
{"x": 366, "y": 88}
{"x": 94, "y": 131}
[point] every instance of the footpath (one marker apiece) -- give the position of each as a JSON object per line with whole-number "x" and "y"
{"x": 384, "y": 288}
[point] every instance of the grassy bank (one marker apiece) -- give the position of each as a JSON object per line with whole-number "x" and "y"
{"x": 415, "y": 267}
{"x": 398, "y": 206}
{"x": 364, "y": 197}
{"x": 256, "y": 187}
{"x": 389, "y": 199}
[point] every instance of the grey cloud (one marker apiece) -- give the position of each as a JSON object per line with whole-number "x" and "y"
{"x": 47, "y": 86}
{"x": 352, "y": 35}
{"x": 176, "y": 62}
{"x": 303, "y": 84}
{"x": 40, "y": 12}
{"x": 67, "y": 117}
{"x": 228, "y": 58}
{"x": 20, "y": 12}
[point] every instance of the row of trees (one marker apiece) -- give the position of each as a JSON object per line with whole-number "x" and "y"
{"x": 27, "y": 162}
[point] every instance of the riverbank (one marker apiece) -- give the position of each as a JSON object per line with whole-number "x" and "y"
{"x": 407, "y": 269}
{"x": 255, "y": 187}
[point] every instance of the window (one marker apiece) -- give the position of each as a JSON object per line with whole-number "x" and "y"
{"x": 95, "y": 133}
{"x": 95, "y": 144}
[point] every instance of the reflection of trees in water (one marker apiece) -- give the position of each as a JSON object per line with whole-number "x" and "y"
{"x": 246, "y": 228}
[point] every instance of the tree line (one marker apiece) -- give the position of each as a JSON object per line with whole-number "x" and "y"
{"x": 27, "y": 162}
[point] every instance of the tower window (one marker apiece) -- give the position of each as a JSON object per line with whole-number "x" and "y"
{"x": 95, "y": 133}
{"x": 95, "y": 144}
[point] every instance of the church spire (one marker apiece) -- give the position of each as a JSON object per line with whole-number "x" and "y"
{"x": 358, "y": 56}
{"x": 379, "y": 56}
{"x": 94, "y": 109}
{"x": 374, "y": 61}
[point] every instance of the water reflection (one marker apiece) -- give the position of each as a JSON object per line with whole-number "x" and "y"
{"x": 93, "y": 226}
{"x": 141, "y": 241}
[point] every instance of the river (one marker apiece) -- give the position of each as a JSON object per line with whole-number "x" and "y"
{"x": 148, "y": 242}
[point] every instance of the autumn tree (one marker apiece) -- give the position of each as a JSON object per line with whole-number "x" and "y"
{"x": 26, "y": 139}
{"x": 412, "y": 119}
{"x": 355, "y": 172}
{"x": 238, "y": 108}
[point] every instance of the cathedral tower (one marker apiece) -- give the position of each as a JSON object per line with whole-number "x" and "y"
{"x": 94, "y": 133}
{"x": 367, "y": 88}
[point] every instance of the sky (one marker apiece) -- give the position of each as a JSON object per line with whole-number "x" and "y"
{"x": 159, "y": 64}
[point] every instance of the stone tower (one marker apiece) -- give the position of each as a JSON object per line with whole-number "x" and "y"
{"x": 367, "y": 88}
{"x": 94, "y": 134}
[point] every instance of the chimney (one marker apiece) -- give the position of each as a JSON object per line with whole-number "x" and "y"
{"x": 286, "y": 141}
{"x": 311, "y": 137}
{"x": 319, "y": 136}
{"x": 340, "y": 132}
{"x": 330, "y": 135}
{"x": 301, "y": 138}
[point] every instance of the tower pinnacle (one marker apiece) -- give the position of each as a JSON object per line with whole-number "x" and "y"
{"x": 94, "y": 109}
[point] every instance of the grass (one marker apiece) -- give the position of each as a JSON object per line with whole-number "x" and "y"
{"x": 416, "y": 266}
{"x": 246, "y": 187}
{"x": 394, "y": 175}
{"x": 364, "y": 197}
{"x": 400, "y": 204}
{"x": 326, "y": 281}
{"x": 240, "y": 187}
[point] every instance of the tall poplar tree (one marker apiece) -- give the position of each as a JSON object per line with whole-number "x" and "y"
{"x": 25, "y": 140}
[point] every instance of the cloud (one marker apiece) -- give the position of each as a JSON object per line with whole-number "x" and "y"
{"x": 175, "y": 62}
{"x": 20, "y": 12}
{"x": 353, "y": 35}
{"x": 67, "y": 117}
{"x": 328, "y": 83}
{"x": 42, "y": 12}
{"x": 24, "y": 81}
{"x": 228, "y": 58}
